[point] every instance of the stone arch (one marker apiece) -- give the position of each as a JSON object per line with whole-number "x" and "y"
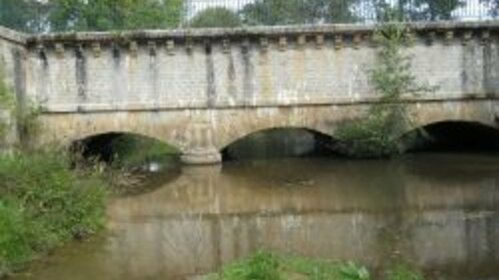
{"x": 425, "y": 114}
{"x": 246, "y": 133}
{"x": 64, "y": 129}
{"x": 456, "y": 134}
{"x": 102, "y": 145}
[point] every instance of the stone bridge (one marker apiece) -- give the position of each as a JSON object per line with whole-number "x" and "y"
{"x": 200, "y": 90}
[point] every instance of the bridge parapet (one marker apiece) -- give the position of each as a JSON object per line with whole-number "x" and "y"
{"x": 272, "y": 66}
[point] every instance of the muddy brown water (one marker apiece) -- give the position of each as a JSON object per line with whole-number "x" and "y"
{"x": 438, "y": 211}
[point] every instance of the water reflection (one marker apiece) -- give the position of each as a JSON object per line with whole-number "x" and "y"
{"x": 440, "y": 211}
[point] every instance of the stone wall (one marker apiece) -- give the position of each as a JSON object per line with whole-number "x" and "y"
{"x": 154, "y": 70}
{"x": 13, "y": 71}
{"x": 202, "y": 89}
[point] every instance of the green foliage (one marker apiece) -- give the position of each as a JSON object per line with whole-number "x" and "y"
{"x": 378, "y": 134}
{"x": 216, "y": 17}
{"x": 403, "y": 272}
{"x": 280, "y": 12}
{"x": 100, "y": 15}
{"x": 430, "y": 9}
{"x": 314, "y": 269}
{"x": 43, "y": 202}
{"x": 6, "y": 103}
{"x": 14, "y": 231}
{"x": 24, "y": 15}
{"x": 268, "y": 266}
{"x": 261, "y": 266}
{"x": 351, "y": 271}
{"x": 46, "y": 206}
{"x": 419, "y": 10}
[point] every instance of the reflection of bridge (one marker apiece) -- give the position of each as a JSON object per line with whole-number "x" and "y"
{"x": 206, "y": 218}
{"x": 200, "y": 90}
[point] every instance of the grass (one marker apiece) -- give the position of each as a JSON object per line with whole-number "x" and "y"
{"x": 265, "y": 265}
{"x": 44, "y": 203}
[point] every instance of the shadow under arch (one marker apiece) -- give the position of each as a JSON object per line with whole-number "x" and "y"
{"x": 276, "y": 142}
{"x": 106, "y": 146}
{"x": 452, "y": 135}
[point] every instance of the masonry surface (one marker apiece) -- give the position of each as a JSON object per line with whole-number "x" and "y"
{"x": 202, "y": 89}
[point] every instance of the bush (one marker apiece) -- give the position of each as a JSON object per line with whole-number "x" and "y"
{"x": 261, "y": 266}
{"x": 268, "y": 266}
{"x": 44, "y": 203}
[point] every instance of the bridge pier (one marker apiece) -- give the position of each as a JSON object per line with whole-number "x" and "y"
{"x": 203, "y": 157}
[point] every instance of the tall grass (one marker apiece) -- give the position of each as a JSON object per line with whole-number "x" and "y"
{"x": 44, "y": 203}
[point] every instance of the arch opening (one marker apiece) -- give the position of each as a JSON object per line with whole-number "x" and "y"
{"x": 454, "y": 136}
{"x": 282, "y": 142}
{"x": 126, "y": 150}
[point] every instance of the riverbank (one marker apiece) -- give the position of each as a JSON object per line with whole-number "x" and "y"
{"x": 268, "y": 266}
{"x": 44, "y": 202}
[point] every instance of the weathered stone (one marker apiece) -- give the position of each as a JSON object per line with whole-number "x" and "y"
{"x": 96, "y": 49}
{"x": 134, "y": 48}
{"x": 283, "y": 43}
{"x": 319, "y": 40}
{"x": 338, "y": 42}
{"x": 215, "y": 93}
{"x": 170, "y": 47}
{"x": 357, "y": 40}
{"x": 264, "y": 44}
{"x": 59, "y": 50}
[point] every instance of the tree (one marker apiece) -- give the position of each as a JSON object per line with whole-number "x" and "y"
{"x": 277, "y": 12}
{"x": 430, "y": 9}
{"x": 23, "y": 15}
{"x": 494, "y": 7}
{"x": 379, "y": 132}
{"x": 99, "y": 15}
{"x": 416, "y": 10}
{"x": 216, "y": 17}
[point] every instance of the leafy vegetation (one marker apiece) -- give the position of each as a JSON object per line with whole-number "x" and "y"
{"x": 268, "y": 266}
{"x": 279, "y": 12}
{"x": 262, "y": 266}
{"x": 78, "y": 15}
{"x": 114, "y": 14}
{"x": 24, "y": 15}
{"x": 96, "y": 15}
{"x": 420, "y": 10}
{"x": 402, "y": 271}
{"x": 378, "y": 133}
{"x": 216, "y": 17}
{"x": 43, "y": 201}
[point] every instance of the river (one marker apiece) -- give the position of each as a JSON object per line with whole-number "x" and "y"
{"x": 439, "y": 211}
